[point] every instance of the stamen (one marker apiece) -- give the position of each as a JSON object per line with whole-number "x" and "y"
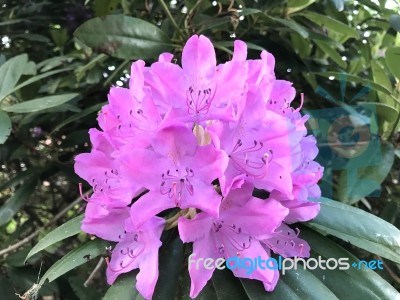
{"x": 173, "y": 184}
{"x": 301, "y": 104}
{"x": 84, "y": 197}
{"x": 200, "y": 102}
{"x": 230, "y": 236}
{"x": 247, "y": 161}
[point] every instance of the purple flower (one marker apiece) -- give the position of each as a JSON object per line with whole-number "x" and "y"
{"x": 286, "y": 242}
{"x": 200, "y": 90}
{"x": 176, "y": 171}
{"x": 244, "y": 223}
{"x": 138, "y": 248}
{"x": 198, "y": 139}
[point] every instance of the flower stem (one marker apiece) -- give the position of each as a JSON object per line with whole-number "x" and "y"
{"x": 173, "y": 221}
{"x": 169, "y": 15}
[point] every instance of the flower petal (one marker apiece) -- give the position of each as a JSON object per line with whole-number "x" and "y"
{"x": 194, "y": 229}
{"x": 108, "y": 227}
{"x": 199, "y": 62}
{"x": 199, "y": 275}
{"x": 148, "y": 206}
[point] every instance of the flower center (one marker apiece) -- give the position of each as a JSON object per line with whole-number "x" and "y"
{"x": 175, "y": 182}
{"x": 199, "y": 101}
{"x": 128, "y": 253}
{"x": 285, "y": 240}
{"x": 250, "y": 160}
{"x": 230, "y": 237}
{"x": 110, "y": 183}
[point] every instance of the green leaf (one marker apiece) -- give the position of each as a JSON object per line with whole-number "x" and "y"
{"x": 249, "y": 11}
{"x": 256, "y": 291}
{"x": 331, "y": 24}
{"x": 16, "y": 201}
{"x": 380, "y": 76}
{"x": 331, "y": 53}
{"x": 363, "y": 174}
{"x": 295, "y": 284}
{"x": 82, "y": 292}
{"x": 59, "y": 36}
{"x": 124, "y": 37}
{"x": 123, "y": 288}
{"x": 358, "y": 227}
{"x": 170, "y": 266}
{"x": 77, "y": 116}
{"x": 292, "y": 25}
{"x": 384, "y": 111}
{"x": 356, "y": 79}
{"x": 10, "y": 73}
{"x": 68, "y": 229}
{"x": 230, "y": 44}
{"x": 297, "y": 5}
{"x": 301, "y": 46}
{"x": 394, "y": 21}
{"x": 19, "y": 177}
{"x": 5, "y": 127}
{"x": 32, "y": 80}
{"x": 7, "y": 289}
{"x": 227, "y": 286}
{"x": 346, "y": 283}
{"x": 74, "y": 258}
{"x": 34, "y": 37}
{"x": 207, "y": 293}
{"x": 392, "y": 57}
{"x": 105, "y": 7}
{"x": 39, "y": 104}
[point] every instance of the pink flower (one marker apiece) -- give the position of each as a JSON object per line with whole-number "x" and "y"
{"x": 243, "y": 224}
{"x": 176, "y": 171}
{"x": 197, "y": 140}
{"x": 200, "y": 90}
{"x": 138, "y": 248}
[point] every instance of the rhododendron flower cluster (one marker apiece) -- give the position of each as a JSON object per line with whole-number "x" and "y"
{"x": 199, "y": 139}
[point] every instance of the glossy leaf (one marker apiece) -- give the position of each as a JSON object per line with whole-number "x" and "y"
{"x": 297, "y": 5}
{"x": 32, "y": 80}
{"x": 66, "y": 230}
{"x": 384, "y": 111}
{"x": 10, "y": 73}
{"x": 331, "y": 24}
{"x": 364, "y": 173}
{"x": 123, "y": 37}
{"x": 39, "y": 104}
{"x": 123, "y": 288}
{"x": 74, "y": 258}
{"x": 358, "y": 227}
{"x": 292, "y": 25}
{"x": 256, "y": 291}
{"x": 227, "y": 286}
{"x": 331, "y": 53}
{"x": 392, "y": 57}
{"x": 5, "y": 126}
{"x": 357, "y": 281}
{"x": 17, "y": 200}
{"x": 105, "y": 7}
{"x": 357, "y": 79}
{"x": 170, "y": 266}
